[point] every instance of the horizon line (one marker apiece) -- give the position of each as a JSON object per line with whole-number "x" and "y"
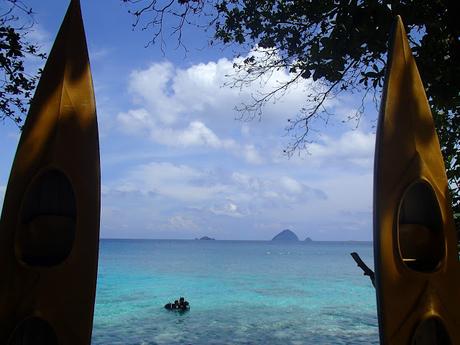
{"x": 248, "y": 240}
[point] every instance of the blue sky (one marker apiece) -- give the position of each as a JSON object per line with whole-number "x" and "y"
{"x": 177, "y": 164}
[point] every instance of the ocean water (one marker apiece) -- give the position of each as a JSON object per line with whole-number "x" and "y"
{"x": 240, "y": 292}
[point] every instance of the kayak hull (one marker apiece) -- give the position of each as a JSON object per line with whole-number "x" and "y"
{"x": 49, "y": 229}
{"x": 415, "y": 243}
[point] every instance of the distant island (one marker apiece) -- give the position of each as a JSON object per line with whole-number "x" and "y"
{"x": 286, "y": 236}
{"x": 205, "y": 238}
{"x": 308, "y": 239}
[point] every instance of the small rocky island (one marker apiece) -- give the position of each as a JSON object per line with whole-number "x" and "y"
{"x": 286, "y": 236}
{"x": 308, "y": 239}
{"x": 205, "y": 238}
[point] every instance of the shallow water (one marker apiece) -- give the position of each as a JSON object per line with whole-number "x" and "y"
{"x": 240, "y": 292}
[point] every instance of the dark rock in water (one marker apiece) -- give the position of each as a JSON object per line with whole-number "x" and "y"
{"x": 286, "y": 236}
{"x": 308, "y": 239}
{"x": 206, "y": 238}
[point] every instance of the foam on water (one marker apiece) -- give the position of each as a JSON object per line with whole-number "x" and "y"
{"x": 240, "y": 293}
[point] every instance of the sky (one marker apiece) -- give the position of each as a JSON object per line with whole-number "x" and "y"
{"x": 177, "y": 163}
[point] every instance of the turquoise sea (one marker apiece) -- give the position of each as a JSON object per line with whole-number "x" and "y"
{"x": 240, "y": 292}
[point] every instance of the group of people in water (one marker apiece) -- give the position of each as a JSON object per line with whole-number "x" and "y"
{"x": 180, "y": 304}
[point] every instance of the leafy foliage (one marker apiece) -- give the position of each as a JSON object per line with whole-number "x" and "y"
{"x": 16, "y": 86}
{"x": 342, "y": 45}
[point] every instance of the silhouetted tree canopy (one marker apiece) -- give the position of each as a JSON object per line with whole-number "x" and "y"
{"x": 342, "y": 45}
{"x": 16, "y": 86}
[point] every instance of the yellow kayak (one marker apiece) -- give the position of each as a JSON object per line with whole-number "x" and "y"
{"x": 49, "y": 228}
{"x": 415, "y": 245}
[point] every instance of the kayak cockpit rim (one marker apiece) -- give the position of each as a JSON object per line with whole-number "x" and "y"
{"x": 419, "y": 228}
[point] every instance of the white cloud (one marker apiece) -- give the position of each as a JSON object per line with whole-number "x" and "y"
{"x": 152, "y": 88}
{"x": 181, "y": 222}
{"x": 252, "y": 155}
{"x": 227, "y": 208}
{"x": 291, "y": 185}
{"x": 135, "y": 121}
{"x": 192, "y": 108}
{"x": 99, "y": 53}
{"x": 196, "y": 134}
{"x": 353, "y": 149}
{"x": 187, "y": 200}
{"x": 200, "y": 91}
{"x": 277, "y": 190}
{"x": 200, "y": 87}
{"x": 178, "y": 182}
{"x": 353, "y": 146}
{"x": 236, "y": 194}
